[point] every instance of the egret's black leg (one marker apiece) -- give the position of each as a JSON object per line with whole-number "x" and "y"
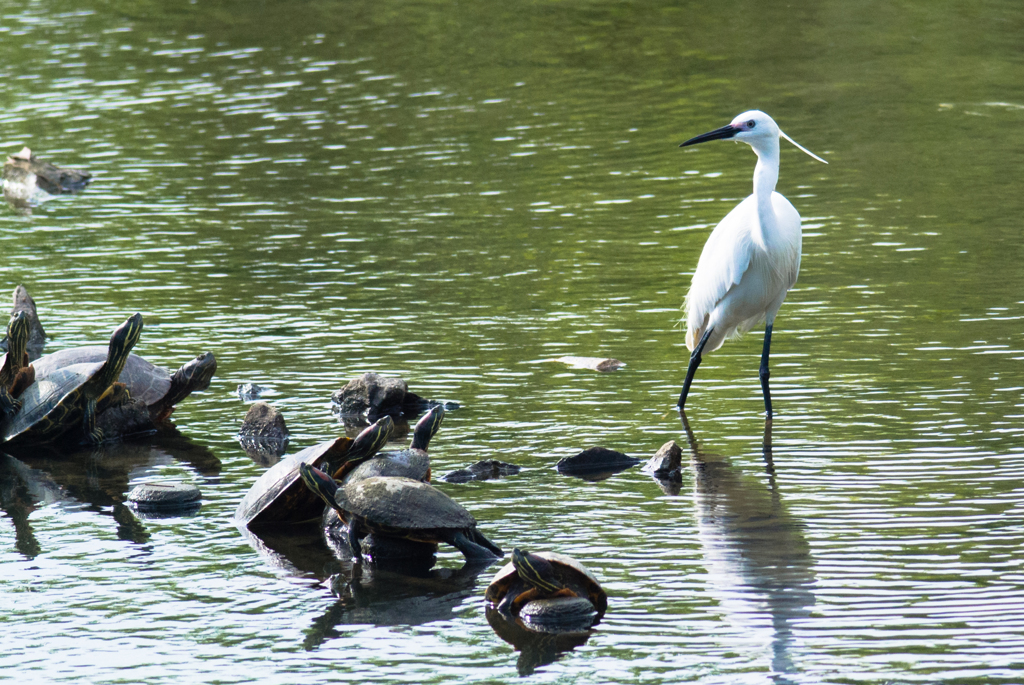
{"x": 764, "y": 373}
{"x": 692, "y": 368}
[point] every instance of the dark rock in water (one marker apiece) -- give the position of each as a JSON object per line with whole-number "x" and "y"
{"x": 485, "y": 469}
{"x": 23, "y": 302}
{"x": 263, "y": 435}
{"x": 247, "y": 392}
{"x": 595, "y": 463}
{"x": 371, "y": 393}
{"x": 130, "y": 419}
{"x": 666, "y": 462}
{"x": 264, "y": 421}
{"x": 374, "y": 395}
{"x": 168, "y": 499}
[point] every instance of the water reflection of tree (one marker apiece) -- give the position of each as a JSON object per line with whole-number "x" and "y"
{"x": 760, "y": 565}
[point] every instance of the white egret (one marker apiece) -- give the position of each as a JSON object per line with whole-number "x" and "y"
{"x": 751, "y": 259}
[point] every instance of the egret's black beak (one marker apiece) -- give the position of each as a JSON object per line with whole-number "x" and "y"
{"x": 718, "y": 134}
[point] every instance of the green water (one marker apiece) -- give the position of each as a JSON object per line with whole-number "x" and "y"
{"x": 455, "y": 193}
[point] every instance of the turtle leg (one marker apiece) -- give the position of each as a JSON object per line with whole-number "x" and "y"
{"x": 469, "y": 548}
{"x": 355, "y": 533}
{"x": 93, "y": 435}
{"x": 478, "y": 537}
{"x": 8, "y": 405}
{"x": 505, "y": 605}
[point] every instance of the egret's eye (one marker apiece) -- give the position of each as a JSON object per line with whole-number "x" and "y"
{"x": 751, "y": 123}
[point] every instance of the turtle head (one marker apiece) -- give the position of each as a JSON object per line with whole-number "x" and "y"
{"x": 372, "y": 439}
{"x": 17, "y": 337}
{"x": 535, "y": 570}
{"x": 427, "y": 427}
{"x": 124, "y": 338}
{"x": 319, "y": 482}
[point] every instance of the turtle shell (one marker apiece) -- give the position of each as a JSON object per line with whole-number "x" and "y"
{"x": 569, "y": 570}
{"x": 146, "y": 381}
{"x": 279, "y": 495}
{"x": 50, "y": 406}
{"x": 413, "y": 464}
{"x": 403, "y": 504}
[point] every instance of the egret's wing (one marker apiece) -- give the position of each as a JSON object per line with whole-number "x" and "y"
{"x": 725, "y": 258}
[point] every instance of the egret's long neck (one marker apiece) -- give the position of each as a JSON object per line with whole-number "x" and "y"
{"x": 766, "y": 175}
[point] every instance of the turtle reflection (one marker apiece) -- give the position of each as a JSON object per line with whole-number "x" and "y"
{"x": 22, "y": 491}
{"x": 394, "y": 594}
{"x": 535, "y": 648}
{"x": 759, "y": 563}
{"x": 103, "y": 476}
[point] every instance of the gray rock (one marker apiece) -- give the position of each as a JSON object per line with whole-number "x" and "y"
{"x": 666, "y": 462}
{"x": 263, "y": 421}
{"x": 596, "y": 463}
{"x": 371, "y": 394}
{"x": 165, "y": 498}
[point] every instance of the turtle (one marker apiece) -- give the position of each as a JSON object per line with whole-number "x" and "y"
{"x": 410, "y": 463}
{"x": 525, "y": 588}
{"x": 159, "y": 388}
{"x": 401, "y": 508}
{"x": 278, "y": 496}
{"x": 24, "y": 174}
{"x": 67, "y": 398}
{"x": 15, "y": 372}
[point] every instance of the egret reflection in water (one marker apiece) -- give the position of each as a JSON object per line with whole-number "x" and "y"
{"x": 759, "y": 564}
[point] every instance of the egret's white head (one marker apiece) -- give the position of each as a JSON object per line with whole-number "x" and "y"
{"x": 754, "y": 128}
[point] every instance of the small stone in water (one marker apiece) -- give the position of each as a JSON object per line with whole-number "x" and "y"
{"x": 265, "y": 421}
{"x": 666, "y": 463}
{"x": 164, "y": 497}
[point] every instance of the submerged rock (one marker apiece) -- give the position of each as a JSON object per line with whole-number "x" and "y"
{"x": 485, "y": 469}
{"x": 168, "y": 499}
{"x": 595, "y": 463}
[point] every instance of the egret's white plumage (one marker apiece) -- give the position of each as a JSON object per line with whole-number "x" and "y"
{"x": 751, "y": 259}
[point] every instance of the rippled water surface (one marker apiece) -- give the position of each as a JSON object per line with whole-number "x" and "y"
{"x": 455, "y": 194}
